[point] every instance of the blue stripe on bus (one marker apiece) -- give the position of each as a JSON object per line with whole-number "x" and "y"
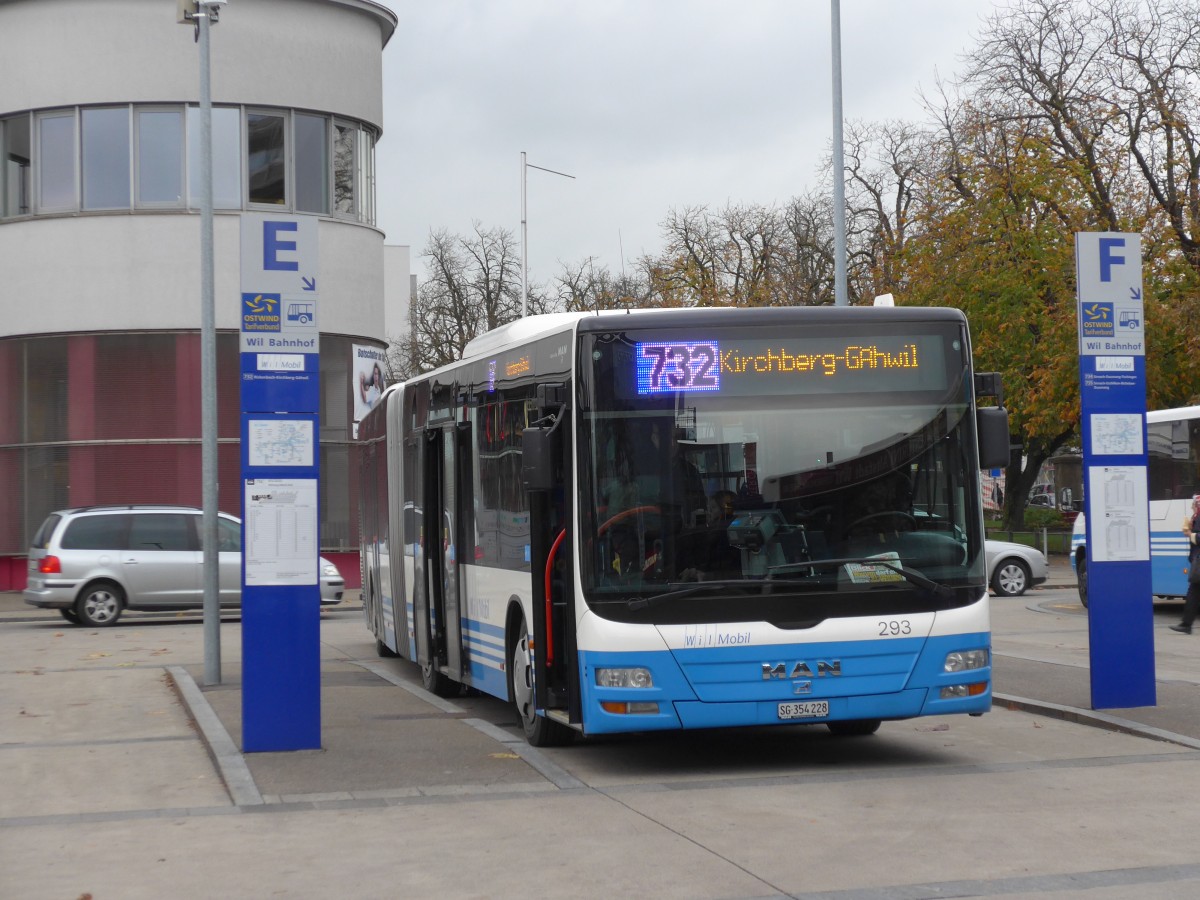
{"x": 485, "y": 652}
{"x": 724, "y": 687}
{"x": 1168, "y": 562}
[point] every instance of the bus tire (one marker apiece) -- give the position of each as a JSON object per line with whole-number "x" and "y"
{"x": 1081, "y": 579}
{"x": 539, "y": 730}
{"x": 854, "y": 727}
{"x": 437, "y": 683}
{"x": 383, "y": 650}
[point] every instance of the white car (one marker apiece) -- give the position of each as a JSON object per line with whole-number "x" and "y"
{"x": 1014, "y": 568}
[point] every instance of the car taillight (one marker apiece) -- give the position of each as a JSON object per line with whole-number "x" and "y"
{"x": 50, "y": 566}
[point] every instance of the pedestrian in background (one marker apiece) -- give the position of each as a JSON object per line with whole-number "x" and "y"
{"x": 1191, "y": 603}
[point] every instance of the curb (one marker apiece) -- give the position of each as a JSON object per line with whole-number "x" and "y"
{"x": 1094, "y": 719}
{"x": 224, "y": 752}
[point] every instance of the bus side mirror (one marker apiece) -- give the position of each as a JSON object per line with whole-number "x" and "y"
{"x": 991, "y": 422}
{"x": 537, "y": 459}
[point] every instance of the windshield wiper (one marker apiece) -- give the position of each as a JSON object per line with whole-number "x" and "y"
{"x": 686, "y": 589}
{"x": 938, "y": 590}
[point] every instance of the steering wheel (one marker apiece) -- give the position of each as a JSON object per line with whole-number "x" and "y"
{"x": 626, "y": 513}
{"x": 903, "y": 521}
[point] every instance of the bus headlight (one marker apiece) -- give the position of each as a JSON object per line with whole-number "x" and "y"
{"x": 964, "y": 660}
{"x": 634, "y": 677}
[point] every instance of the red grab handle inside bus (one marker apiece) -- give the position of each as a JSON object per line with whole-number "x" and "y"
{"x": 549, "y": 610}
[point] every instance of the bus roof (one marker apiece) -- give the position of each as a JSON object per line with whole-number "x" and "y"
{"x": 532, "y": 327}
{"x": 1171, "y": 415}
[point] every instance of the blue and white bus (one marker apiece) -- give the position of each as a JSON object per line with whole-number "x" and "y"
{"x": 1173, "y": 478}
{"x": 690, "y": 518}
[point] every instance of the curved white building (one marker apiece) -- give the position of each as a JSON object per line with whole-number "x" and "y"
{"x": 100, "y": 239}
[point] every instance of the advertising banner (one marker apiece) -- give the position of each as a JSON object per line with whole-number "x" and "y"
{"x": 367, "y": 380}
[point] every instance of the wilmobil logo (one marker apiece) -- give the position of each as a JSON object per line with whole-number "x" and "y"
{"x": 281, "y": 362}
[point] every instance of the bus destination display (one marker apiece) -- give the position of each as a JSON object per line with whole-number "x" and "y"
{"x": 802, "y": 365}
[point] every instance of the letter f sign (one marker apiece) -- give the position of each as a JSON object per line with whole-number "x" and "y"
{"x": 1108, "y": 258}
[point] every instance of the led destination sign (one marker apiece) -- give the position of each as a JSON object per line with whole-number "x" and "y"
{"x": 801, "y": 365}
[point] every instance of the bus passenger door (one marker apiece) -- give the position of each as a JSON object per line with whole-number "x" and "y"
{"x": 441, "y": 630}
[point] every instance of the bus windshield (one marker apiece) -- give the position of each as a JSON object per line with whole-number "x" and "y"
{"x": 737, "y": 475}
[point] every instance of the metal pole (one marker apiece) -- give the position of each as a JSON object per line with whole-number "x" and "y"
{"x": 839, "y": 165}
{"x": 524, "y": 243}
{"x": 208, "y": 369}
{"x": 525, "y": 228}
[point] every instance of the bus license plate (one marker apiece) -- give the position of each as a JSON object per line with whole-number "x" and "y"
{"x": 809, "y": 709}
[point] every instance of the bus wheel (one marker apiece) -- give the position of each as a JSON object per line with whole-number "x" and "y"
{"x": 382, "y": 649}
{"x": 437, "y": 683}
{"x": 1081, "y": 575}
{"x": 539, "y": 730}
{"x": 854, "y": 727}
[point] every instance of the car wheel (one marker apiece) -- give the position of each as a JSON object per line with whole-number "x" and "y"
{"x": 854, "y": 727}
{"x": 70, "y": 615}
{"x": 1081, "y": 576}
{"x": 1011, "y": 577}
{"x": 100, "y": 605}
{"x": 539, "y": 730}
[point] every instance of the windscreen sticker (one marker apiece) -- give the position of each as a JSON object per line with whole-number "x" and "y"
{"x": 864, "y": 573}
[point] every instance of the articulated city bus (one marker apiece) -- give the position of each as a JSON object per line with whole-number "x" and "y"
{"x": 690, "y": 518}
{"x": 1173, "y": 478}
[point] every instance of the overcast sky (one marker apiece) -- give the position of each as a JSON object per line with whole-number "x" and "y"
{"x": 652, "y": 105}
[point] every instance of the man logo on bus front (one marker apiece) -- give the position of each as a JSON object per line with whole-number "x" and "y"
{"x": 801, "y": 669}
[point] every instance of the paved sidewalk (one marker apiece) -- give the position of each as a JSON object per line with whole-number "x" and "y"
{"x": 125, "y": 779}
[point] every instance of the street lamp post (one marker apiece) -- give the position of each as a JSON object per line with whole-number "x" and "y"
{"x": 202, "y": 13}
{"x": 525, "y": 230}
{"x": 840, "y": 297}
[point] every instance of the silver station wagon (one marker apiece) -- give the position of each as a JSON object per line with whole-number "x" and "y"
{"x": 93, "y": 563}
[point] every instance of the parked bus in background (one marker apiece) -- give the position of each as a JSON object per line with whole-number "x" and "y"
{"x": 1173, "y": 452}
{"x": 690, "y": 518}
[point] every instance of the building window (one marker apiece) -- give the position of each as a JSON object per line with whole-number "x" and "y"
{"x": 106, "y": 156}
{"x": 56, "y": 162}
{"x": 266, "y": 153}
{"x": 14, "y": 176}
{"x": 226, "y": 157}
{"x": 159, "y": 157}
{"x": 345, "y": 169}
{"x": 312, "y": 163}
{"x": 103, "y": 158}
{"x": 366, "y": 189}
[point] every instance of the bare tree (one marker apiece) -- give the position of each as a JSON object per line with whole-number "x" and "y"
{"x": 687, "y": 272}
{"x": 1155, "y": 75}
{"x": 1115, "y": 84}
{"x": 808, "y": 279}
{"x": 884, "y": 171}
{"x": 474, "y": 285}
{"x": 586, "y": 287}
